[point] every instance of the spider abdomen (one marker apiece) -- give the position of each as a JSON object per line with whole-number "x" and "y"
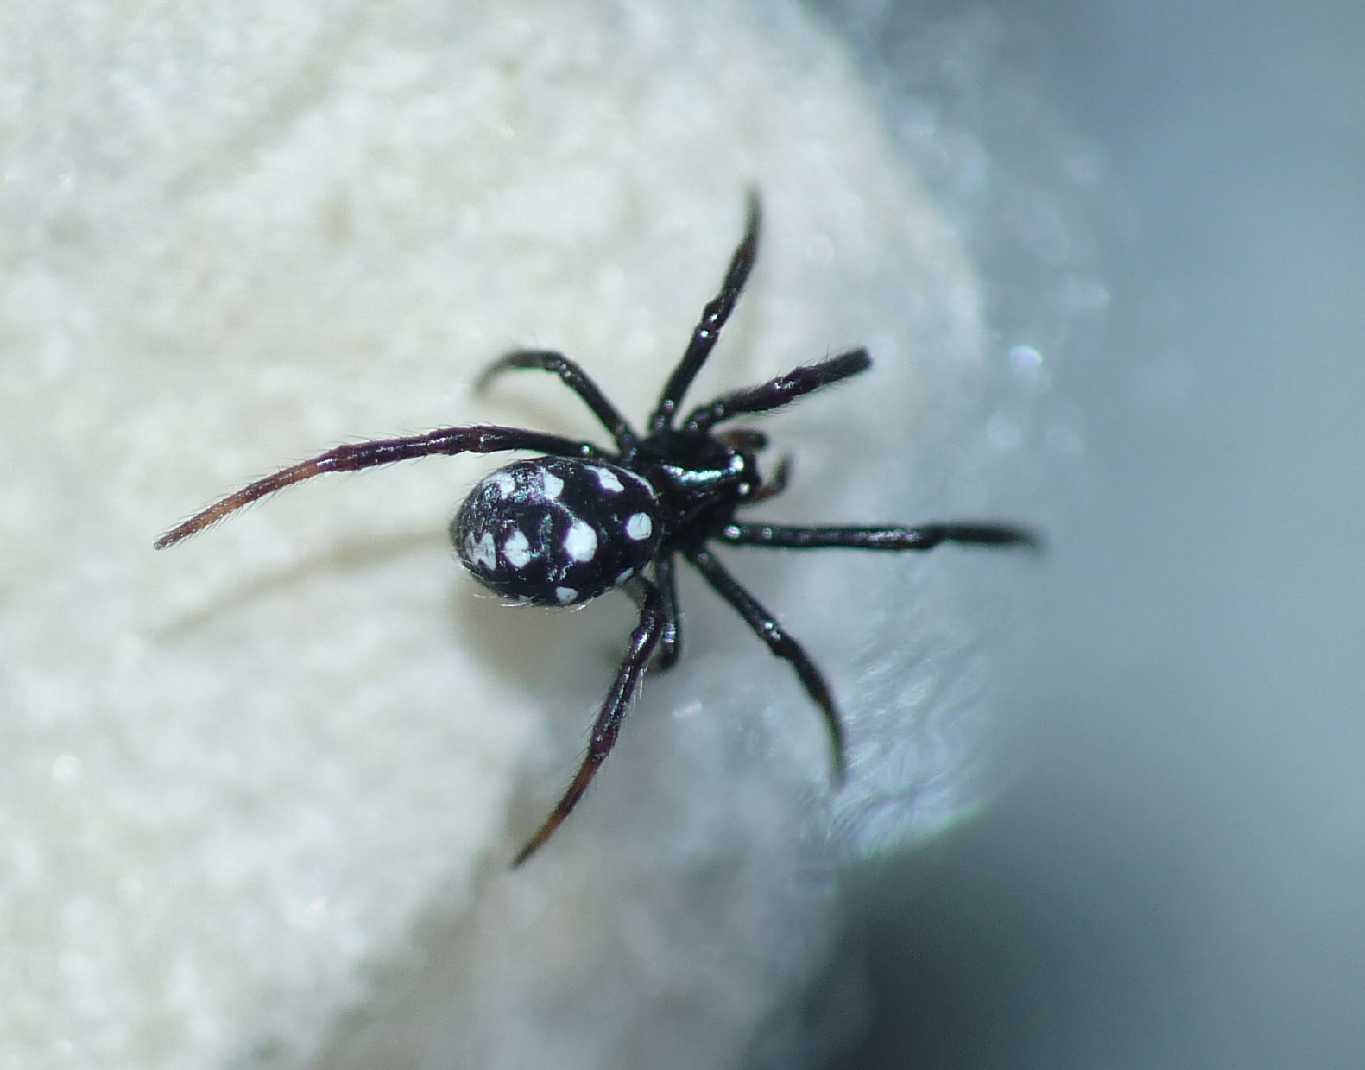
{"x": 556, "y": 531}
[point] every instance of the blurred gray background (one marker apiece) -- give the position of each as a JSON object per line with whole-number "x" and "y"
{"x": 1175, "y": 876}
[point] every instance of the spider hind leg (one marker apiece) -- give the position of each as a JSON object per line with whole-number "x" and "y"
{"x": 354, "y": 456}
{"x": 613, "y": 711}
{"x": 671, "y": 638}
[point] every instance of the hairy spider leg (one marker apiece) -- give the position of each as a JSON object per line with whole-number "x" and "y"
{"x": 670, "y": 642}
{"x": 713, "y": 318}
{"x": 358, "y": 455}
{"x": 604, "y": 730}
{"x": 779, "y": 641}
{"x": 778, "y": 391}
{"x": 572, "y": 376}
{"x": 922, "y": 537}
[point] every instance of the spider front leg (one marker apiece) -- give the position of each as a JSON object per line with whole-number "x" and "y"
{"x": 921, "y": 537}
{"x": 572, "y": 376}
{"x": 713, "y": 318}
{"x": 642, "y": 643}
{"x": 766, "y": 627}
{"x": 779, "y": 391}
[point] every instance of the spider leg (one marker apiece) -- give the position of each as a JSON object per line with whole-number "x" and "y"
{"x": 608, "y": 723}
{"x": 923, "y": 537}
{"x": 572, "y": 376}
{"x": 766, "y": 627}
{"x": 713, "y": 318}
{"x": 670, "y": 642}
{"x": 354, "y": 456}
{"x": 779, "y": 391}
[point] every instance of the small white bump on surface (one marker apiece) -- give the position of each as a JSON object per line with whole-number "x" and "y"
{"x": 503, "y": 482}
{"x": 482, "y": 552}
{"x": 551, "y": 484}
{"x": 516, "y": 549}
{"x": 639, "y": 526}
{"x": 565, "y": 595}
{"x": 608, "y": 479}
{"x": 580, "y": 541}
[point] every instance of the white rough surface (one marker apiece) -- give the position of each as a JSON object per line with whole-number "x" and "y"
{"x": 275, "y": 774}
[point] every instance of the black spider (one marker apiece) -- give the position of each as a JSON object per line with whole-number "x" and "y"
{"x": 565, "y": 527}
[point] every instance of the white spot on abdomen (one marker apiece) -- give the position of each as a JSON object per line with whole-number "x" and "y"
{"x": 551, "y": 484}
{"x": 580, "y": 541}
{"x": 482, "y": 552}
{"x": 639, "y": 526}
{"x": 504, "y": 482}
{"x": 516, "y": 549}
{"x": 608, "y": 479}
{"x": 565, "y": 595}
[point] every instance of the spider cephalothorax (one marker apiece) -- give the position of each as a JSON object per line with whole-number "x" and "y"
{"x": 564, "y": 527}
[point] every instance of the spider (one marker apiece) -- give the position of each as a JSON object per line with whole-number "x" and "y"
{"x": 578, "y": 520}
